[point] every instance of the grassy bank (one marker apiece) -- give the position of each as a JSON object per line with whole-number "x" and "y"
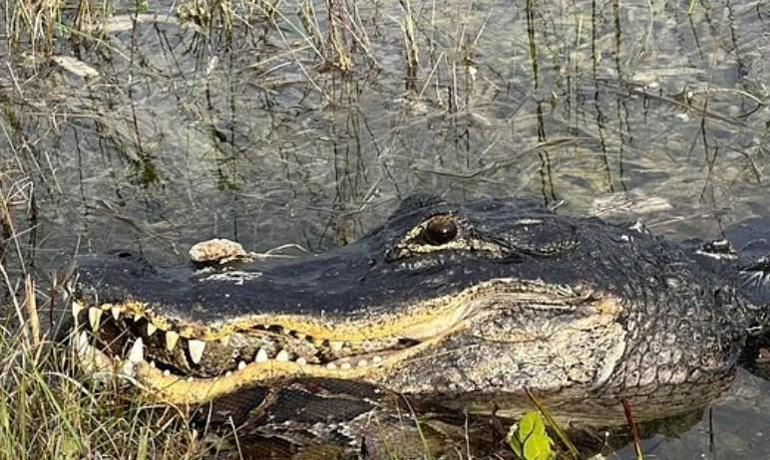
{"x": 47, "y": 411}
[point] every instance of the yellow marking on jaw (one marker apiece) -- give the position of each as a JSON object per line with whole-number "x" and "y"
{"x": 178, "y": 390}
{"x": 429, "y": 319}
{"x": 424, "y": 320}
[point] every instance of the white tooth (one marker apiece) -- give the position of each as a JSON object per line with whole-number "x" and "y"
{"x": 301, "y": 361}
{"x": 151, "y": 328}
{"x": 262, "y": 356}
{"x": 94, "y": 317}
{"x": 166, "y": 372}
{"x": 336, "y": 345}
{"x": 228, "y": 373}
{"x": 190, "y": 379}
{"x": 152, "y": 364}
{"x": 138, "y": 316}
{"x": 171, "y": 339}
{"x": 115, "y": 312}
{"x": 241, "y": 365}
{"x": 136, "y": 355}
{"x": 77, "y": 307}
{"x": 363, "y": 363}
{"x": 81, "y": 343}
{"x": 282, "y": 356}
{"x": 345, "y": 366}
{"x": 196, "y": 350}
{"x": 377, "y": 360}
{"x": 331, "y": 366}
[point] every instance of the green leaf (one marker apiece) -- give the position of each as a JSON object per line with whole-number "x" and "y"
{"x": 514, "y": 442}
{"x": 531, "y": 423}
{"x": 538, "y": 447}
{"x": 528, "y": 439}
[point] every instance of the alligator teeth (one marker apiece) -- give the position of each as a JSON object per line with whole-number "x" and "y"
{"x": 77, "y": 307}
{"x": 136, "y": 355}
{"x": 171, "y": 339}
{"x": 301, "y": 361}
{"x": 336, "y": 345}
{"x": 241, "y": 365}
{"x": 261, "y": 356}
{"x": 81, "y": 343}
{"x": 94, "y": 318}
{"x": 282, "y": 356}
{"x": 196, "y": 348}
{"x": 166, "y": 372}
{"x": 151, "y": 328}
{"x": 115, "y": 312}
{"x": 228, "y": 373}
{"x": 152, "y": 364}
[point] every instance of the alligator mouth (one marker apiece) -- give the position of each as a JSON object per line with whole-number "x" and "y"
{"x": 189, "y": 363}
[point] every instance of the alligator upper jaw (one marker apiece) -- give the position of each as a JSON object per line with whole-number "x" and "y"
{"x": 191, "y": 363}
{"x": 199, "y": 364}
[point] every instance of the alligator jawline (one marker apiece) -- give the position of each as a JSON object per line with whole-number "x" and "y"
{"x": 425, "y": 324}
{"x": 176, "y": 389}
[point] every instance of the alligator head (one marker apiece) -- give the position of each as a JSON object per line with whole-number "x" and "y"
{"x": 462, "y": 305}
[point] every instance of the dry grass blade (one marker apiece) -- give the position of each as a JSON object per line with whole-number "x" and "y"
{"x": 410, "y": 42}
{"x": 634, "y": 429}
{"x": 30, "y": 303}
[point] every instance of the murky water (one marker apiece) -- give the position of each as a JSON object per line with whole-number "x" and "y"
{"x": 632, "y": 109}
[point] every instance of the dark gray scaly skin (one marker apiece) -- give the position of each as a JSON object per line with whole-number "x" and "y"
{"x": 590, "y": 315}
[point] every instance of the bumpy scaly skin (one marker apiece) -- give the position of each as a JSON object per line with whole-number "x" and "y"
{"x": 583, "y": 313}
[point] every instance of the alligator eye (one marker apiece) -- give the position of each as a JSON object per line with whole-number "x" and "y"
{"x": 440, "y": 230}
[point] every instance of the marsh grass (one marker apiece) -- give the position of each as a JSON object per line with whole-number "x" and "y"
{"x": 49, "y": 410}
{"x": 46, "y": 411}
{"x": 334, "y": 33}
{"x": 33, "y": 22}
{"x": 38, "y": 25}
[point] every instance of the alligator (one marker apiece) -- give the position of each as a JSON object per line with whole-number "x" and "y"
{"x": 469, "y": 307}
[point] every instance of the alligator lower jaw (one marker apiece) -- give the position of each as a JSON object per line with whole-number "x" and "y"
{"x": 174, "y": 389}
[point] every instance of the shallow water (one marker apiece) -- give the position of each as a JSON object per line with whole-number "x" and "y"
{"x": 625, "y": 109}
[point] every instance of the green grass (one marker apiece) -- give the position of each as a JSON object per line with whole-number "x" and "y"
{"x": 48, "y": 412}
